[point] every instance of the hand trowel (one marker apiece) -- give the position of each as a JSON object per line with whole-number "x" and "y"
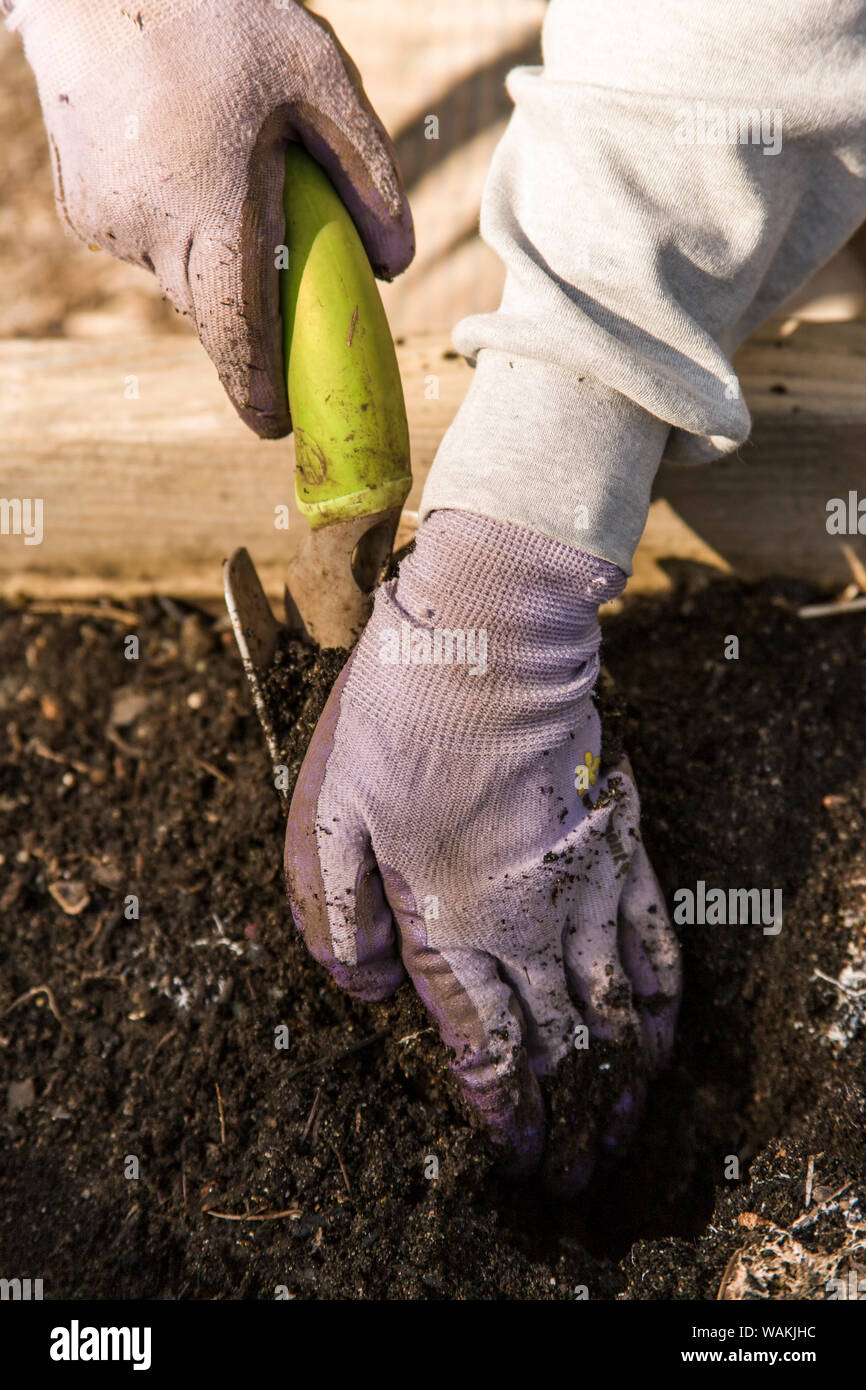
{"x": 352, "y": 467}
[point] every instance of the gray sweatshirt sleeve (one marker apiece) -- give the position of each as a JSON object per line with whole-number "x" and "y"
{"x": 669, "y": 176}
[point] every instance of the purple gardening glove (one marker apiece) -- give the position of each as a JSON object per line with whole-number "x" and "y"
{"x": 168, "y": 123}
{"x": 439, "y": 827}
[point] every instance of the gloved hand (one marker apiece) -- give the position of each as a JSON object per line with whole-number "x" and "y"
{"x": 440, "y": 826}
{"x": 167, "y": 123}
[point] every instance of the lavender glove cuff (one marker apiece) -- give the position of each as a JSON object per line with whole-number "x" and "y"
{"x": 481, "y": 598}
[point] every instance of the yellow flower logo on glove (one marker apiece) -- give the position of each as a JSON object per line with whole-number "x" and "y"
{"x": 586, "y": 773}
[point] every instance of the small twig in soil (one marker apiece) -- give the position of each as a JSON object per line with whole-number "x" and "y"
{"x": 85, "y": 610}
{"x": 213, "y": 771}
{"x": 100, "y": 923}
{"x": 43, "y": 751}
{"x": 808, "y": 1219}
{"x": 133, "y": 1212}
{"x": 11, "y": 893}
{"x": 138, "y": 779}
{"x": 343, "y": 1169}
{"x": 221, "y": 940}
{"x": 729, "y": 1271}
{"x": 339, "y": 1056}
{"x": 810, "y": 1178}
{"x": 410, "y": 1037}
{"x": 52, "y": 1004}
{"x": 832, "y": 610}
{"x": 163, "y": 1040}
{"x": 292, "y": 1212}
{"x": 170, "y": 608}
{"x": 828, "y": 979}
{"x": 126, "y": 748}
{"x": 107, "y": 923}
{"x": 312, "y": 1115}
{"x": 856, "y": 566}
{"x": 222, "y": 1114}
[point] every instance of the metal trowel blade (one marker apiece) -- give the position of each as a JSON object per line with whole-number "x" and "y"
{"x": 258, "y": 635}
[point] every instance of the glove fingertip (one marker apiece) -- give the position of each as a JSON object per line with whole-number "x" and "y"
{"x": 268, "y": 423}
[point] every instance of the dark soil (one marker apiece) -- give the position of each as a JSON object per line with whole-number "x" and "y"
{"x": 158, "y": 1039}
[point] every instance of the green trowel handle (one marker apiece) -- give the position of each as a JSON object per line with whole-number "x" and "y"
{"x": 345, "y": 392}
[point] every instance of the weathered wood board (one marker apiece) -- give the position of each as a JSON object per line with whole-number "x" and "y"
{"x": 148, "y": 479}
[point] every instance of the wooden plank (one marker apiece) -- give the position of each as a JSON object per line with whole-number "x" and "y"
{"x": 764, "y": 511}
{"x": 148, "y": 492}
